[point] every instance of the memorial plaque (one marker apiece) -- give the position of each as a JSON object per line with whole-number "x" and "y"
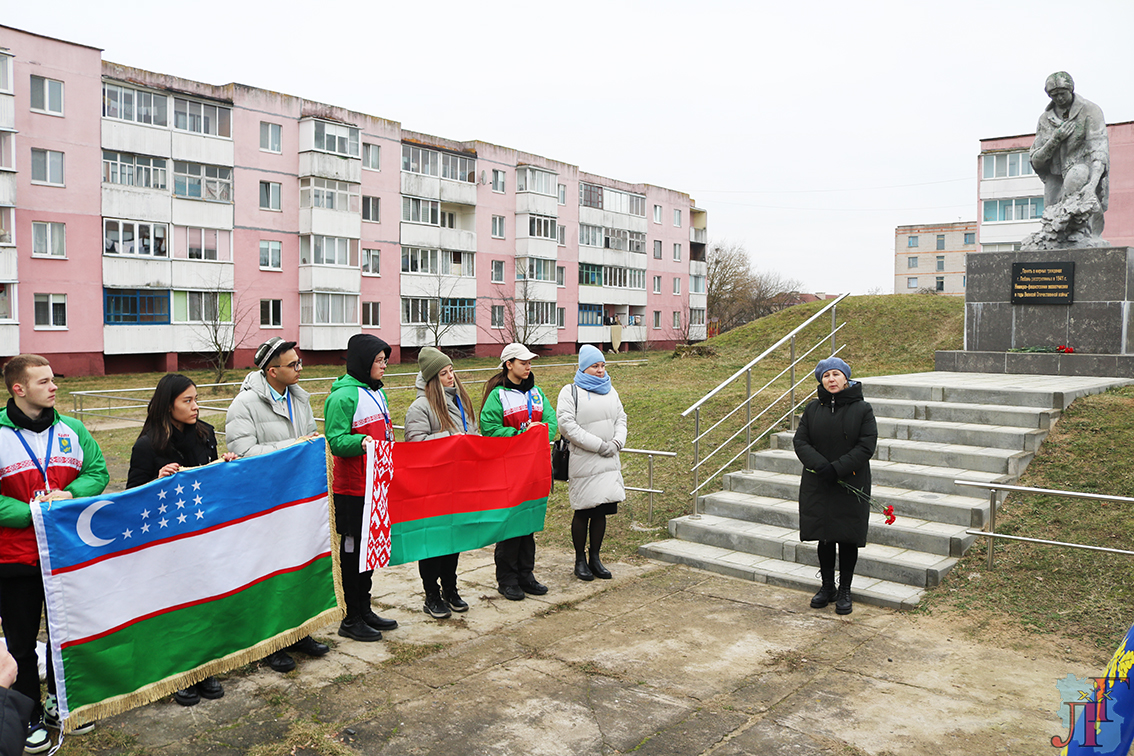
{"x": 1043, "y": 283}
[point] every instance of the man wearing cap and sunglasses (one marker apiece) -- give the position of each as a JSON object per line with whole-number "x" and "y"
{"x": 271, "y": 412}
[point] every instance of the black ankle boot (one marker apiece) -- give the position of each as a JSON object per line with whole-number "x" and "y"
{"x": 582, "y": 570}
{"x": 597, "y": 568}
{"x": 843, "y": 603}
{"x": 454, "y": 600}
{"x": 825, "y": 595}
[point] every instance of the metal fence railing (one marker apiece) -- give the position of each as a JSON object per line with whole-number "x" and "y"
{"x": 995, "y": 488}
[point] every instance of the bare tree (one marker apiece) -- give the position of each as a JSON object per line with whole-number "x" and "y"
{"x": 728, "y": 284}
{"x": 514, "y": 317}
{"x": 770, "y": 292}
{"x": 226, "y": 320}
{"x": 441, "y": 315}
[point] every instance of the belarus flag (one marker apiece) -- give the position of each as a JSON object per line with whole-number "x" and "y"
{"x": 155, "y": 588}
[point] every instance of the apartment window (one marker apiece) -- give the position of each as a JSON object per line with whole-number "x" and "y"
{"x": 615, "y": 238}
{"x": 497, "y": 316}
{"x": 6, "y": 214}
{"x": 590, "y": 195}
{"x": 497, "y": 271}
{"x": 911, "y": 283}
{"x": 372, "y": 314}
{"x": 541, "y": 313}
{"x": 133, "y": 170}
{"x": 657, "y": 213}
{"x": 269, "y": 195}
{"x": 590, "y": 315}
{"x": 677, "y": 217}
{"x": 941, "y": 241}
{"x": 535, "y": 269}
{"x": 940, "y": 283}
{"x": 318, "y": 308}
{"x": 560, "y": 276}
{"x": 456, "y": 310}
{"x": 448, "y": 220}
{"x": 657, "y": 284}
{"x": 371, "y": 156}
{"x": 635, "y": 279}
{"x": 911, "y": 241}
{"x": 676, "y": 319}
{"x": 1023, "y": 208}
{"x": 371, "y": 259}
{"x": 371, "y": 207}
{"x": 677, "y": 252}
{"x": 49, "y": 239}
{"x": 497, "y": 180}
{"x": 696, "y": 316}
{"x": 328, "y": 250}
{"x": 46, "y": 95}
{"x": 614, "y": 277}
{"x": 657, "y": 249}
{"x": 657, "y": 318}
{"x": 911, "y": 261}
{"x": 461, "y": 264}
{"x": 498, "y": 227}
{"x": 271, "y": 313}
{"x": 677, "y": 286}
{"x": 590, "y": 274}
{"x": 542, "y": 227}
{"x": 970, "y": 238}
{"x": 207, "y": 182}
{"x": 329, "y": 194}
{"x": 562, "y": 236}
{"x": 1007, "y": 164}
{"x": 696, "y": 284}
{"x": 636, "y": 242}
{"x": 126, "y": 104}
{"x": 122, "y": 237}
{"x": 458, "y": 168}
{"x": 420, "y": 160}
{"x": 416, "y": 260}
{"x": 562, "y": 194}
{"x": 561, "y": 317}
{"x": 425, "y": 211}
{"x": 271, "y": 137}
{"x": 7, "y": 151}
{"x": 590, "y": 236}
{"x": 204, "y": 243}
{"x": 271, "y": 255}
{"x": 135, "y": 306}
{"x": 47, "y": 167}
{"x": 5, "y": 73}
{"x": 940, "y": 262}
{"x": 6, "y": 289}
{"x": 50, "y": 310}
{"x": 535, "y": 180}
{"x": 336, "y": 137}
{"x": 202, "y": 118}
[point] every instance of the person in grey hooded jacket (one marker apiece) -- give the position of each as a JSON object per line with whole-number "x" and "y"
{"x": 442, "y": 408}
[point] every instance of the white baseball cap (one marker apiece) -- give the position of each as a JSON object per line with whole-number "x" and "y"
{"x": 516, "y": 351}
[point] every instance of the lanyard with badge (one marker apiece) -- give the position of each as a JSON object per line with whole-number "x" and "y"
{"x": 385, "y": 415}
{"x": 35, "y": 460}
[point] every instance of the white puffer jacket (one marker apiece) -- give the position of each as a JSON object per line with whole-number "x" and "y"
{"x": 593, "y": 478}
{"x": 256, "y": 424}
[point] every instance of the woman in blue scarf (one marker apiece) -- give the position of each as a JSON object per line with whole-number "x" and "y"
{"x": 592, "y": 419}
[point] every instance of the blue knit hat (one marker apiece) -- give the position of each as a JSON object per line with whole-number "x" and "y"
{"x": 831, "y": 363}
{"x": 588, "y": 356}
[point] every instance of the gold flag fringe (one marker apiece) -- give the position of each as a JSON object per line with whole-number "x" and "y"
{"x": 165, "y": 687}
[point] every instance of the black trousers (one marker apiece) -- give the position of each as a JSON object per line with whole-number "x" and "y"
{"x": 356, "y": 585}
{"x": 443, "y": 568}
{"x": 515, "y": 560}
{"x": 21, "y": 609}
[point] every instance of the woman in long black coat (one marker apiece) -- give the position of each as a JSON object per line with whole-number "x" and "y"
{"x": 835, "y": 440}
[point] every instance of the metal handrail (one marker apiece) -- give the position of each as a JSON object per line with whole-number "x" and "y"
{"x": 749, "y": 395}
{"x": 650, "y": 454}
{"x": 992, "y": 535}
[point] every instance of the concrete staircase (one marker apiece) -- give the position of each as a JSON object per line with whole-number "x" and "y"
{"x": 933, "y": 429}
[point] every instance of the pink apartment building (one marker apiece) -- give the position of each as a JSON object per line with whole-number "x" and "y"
{"x": 144, "y": 217}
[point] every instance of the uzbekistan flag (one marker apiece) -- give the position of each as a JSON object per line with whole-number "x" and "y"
{"x": 453, "y": 494}
{"x": 155, "y": 588}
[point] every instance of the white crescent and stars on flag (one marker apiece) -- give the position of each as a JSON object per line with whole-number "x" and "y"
{"x": 182, "y": 507}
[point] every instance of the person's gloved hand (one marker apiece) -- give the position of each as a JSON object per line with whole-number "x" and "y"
{"x": 827, "y": 473}
{"x": 608, "y": 449}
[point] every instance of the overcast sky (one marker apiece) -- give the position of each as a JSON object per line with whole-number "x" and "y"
{"x": 808, "y": 131}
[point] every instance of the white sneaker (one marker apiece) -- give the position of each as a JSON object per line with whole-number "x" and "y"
{"x": 51, "y": 717}
{"x": 38, "y": 739}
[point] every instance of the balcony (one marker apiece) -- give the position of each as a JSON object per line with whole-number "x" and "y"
{"x": 132, "y": 272}
{"x": 202, "y": 148}
{"x": 124, "y": 136}
{"x": 327, "y": 165}
{"x": 423, "y": 335}
{"x": 119, "y": 201}
{"x": 539, "y": 204}
{"x": 202, "y": 275}
{"x": 7, "y": 189}
{"x": 331, "y": 278}
{"x": 457, "y": 192}
{"x": 326, "y": 337}
{"x": 8, "y": 264}
{"x": 426, "y": 187}
{"x": 548, "y": 249}
{"x": 9, "y": 339}
{"x": 699, "y": 235}
{"x": 324, "y": 222}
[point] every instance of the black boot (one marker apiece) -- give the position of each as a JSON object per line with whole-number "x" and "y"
{"x": 597, "y": 568}
{"x": 582, "y": 569}
{"x": 453, "y": 599}
{"x": 825, "y": 595}
{"x": 843, "y": 603}
{"x": 435, "y": 606}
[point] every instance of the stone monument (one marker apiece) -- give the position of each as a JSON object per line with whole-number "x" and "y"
{"x": 1071, "y": 155}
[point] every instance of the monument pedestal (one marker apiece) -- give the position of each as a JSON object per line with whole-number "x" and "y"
{"x": 1098, "y": 325}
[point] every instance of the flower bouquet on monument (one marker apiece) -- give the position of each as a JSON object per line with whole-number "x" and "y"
{"x": 886, "y": 510}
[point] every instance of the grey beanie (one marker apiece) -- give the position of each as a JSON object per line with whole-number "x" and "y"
{"x": 831, "y": 363}
{"x": 431, "y": 361}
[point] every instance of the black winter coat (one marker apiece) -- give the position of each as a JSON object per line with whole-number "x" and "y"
{"x": 187, "y": 448}
{"x": 840, "y": 429}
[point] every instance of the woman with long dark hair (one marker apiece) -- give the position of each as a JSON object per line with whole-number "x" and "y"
{"x": 442, "y": 408}
{"x": 172, "y": 438}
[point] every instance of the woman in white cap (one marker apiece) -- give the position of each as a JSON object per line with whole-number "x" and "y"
{"x": 835, "y": 440}
{"x": 513, "y": 404}
{"x": 442, "y": 408}
{"x": 591, "y": 417}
